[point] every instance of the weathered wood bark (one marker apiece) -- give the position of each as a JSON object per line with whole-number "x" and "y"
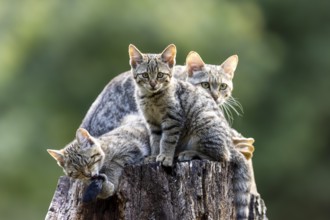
{"x": 190, "y": 190}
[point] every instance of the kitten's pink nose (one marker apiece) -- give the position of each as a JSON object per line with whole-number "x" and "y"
{"x": 153, "y": 83}
{"x": 215, "y": 96}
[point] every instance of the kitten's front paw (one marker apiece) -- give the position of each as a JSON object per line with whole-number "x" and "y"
{"x": 108, "y": 189}
{"x": 165, "y": 160}
{"x": 150, "y": 159}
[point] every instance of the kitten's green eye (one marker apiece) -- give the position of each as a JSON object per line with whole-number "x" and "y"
{"x": 160, "y": 75}
{"x": 145, "y": 75}
{"x": 205, "y": 85}
{"x": 223, "y": 86}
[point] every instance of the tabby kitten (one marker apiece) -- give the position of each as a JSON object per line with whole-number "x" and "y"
{"x": 217, "y": 80}
{"x": 184, "y": 119}
{"x": 88, "y": 157}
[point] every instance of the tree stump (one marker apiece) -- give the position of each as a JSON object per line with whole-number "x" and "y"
{"x": 189, "y": 190}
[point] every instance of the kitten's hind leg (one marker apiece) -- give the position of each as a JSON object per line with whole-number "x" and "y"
{"x": 192, "y": 154}
{"x": 171, "y": 130}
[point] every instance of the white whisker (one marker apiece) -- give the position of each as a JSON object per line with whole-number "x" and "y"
{"x": 231, "y": 104}
{"x": 227, "y": 113}
{"x": 235, "y": 102}
{"x": 233, "y": 108}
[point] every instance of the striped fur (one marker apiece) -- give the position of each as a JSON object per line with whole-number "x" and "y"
{"x": 117, "y": 99}
{"x": 185, "y": 120}
{"x": 215, "y": 79}
{"x": 111, "y": 106}
{"x": 88, "y": 157}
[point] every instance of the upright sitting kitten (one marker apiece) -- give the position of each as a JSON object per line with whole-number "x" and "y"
{"x": 184, "y": 119}
{"x": 105, "y": 157}
{"x": 217, "y": 80}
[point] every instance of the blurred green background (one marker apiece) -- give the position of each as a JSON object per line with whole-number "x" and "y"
{"x": 56, "y": 57}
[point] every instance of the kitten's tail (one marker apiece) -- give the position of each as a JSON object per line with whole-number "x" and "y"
{"x": 241, "y": 185}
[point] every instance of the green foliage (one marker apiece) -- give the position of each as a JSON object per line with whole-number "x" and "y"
{"x": 56, "y": 57}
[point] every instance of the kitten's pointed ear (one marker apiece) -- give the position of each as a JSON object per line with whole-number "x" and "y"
{"x": 82, "y": 136}
{"x": 57, "y": 155}
{"x": 194, "y": 62}
{"x": 136, "y": 57}
{"x": 168, "y": 55}
{"x": 229, "y": 66}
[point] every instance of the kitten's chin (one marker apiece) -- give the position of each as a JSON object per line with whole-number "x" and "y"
{"x": 154, "y": 90}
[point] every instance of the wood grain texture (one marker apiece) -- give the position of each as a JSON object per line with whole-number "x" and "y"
{"x": 190, "y": 190}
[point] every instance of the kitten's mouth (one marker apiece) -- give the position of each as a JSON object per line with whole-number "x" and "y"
{"x": 153, "y": 90}
{"x": 94, "y": 177}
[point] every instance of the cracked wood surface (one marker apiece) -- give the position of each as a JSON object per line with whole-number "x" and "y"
{"x": 190, "y": 190}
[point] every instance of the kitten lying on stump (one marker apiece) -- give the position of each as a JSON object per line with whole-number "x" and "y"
{"x": 178, "y": 111}
{"x": 103, "y": 159}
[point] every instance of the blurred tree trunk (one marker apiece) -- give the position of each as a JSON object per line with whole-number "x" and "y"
{"x": 191, "y": 190}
